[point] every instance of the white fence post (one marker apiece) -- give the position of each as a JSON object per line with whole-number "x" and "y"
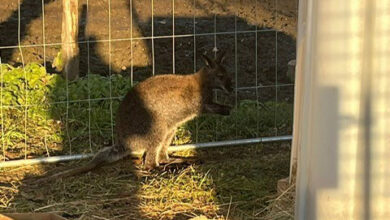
{"x": 342, "y": 110}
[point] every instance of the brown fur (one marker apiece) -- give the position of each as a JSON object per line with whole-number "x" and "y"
{"x": 151, "y": 111}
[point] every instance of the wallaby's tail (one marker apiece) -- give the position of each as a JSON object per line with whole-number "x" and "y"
{"x": 104, "y": 157}
{"x": 67, "y": 173}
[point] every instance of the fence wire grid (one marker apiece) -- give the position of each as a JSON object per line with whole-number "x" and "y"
{"x": 275, "y": 89}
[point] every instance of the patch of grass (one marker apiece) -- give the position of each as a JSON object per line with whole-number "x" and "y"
{"x": 179, "y": 191}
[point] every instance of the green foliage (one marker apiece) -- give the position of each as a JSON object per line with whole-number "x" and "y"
{"x": 43, "y": 114}
{"x": 24, "y": 95}
{"x": 37, "y": 119}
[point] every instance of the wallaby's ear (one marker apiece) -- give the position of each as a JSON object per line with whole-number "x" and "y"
{"x": 221, "y": 57}
{"x": 208, "y": 61}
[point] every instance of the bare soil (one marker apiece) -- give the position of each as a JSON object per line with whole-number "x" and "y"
{"x": 102, "y": 20}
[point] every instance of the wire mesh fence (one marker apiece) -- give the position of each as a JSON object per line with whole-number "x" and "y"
{"x": 123, "y": 42}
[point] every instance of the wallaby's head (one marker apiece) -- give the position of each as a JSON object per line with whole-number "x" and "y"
{"x": 217, "y": 77}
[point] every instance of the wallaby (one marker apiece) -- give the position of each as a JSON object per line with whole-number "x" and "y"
{"x": 151, "y": 111}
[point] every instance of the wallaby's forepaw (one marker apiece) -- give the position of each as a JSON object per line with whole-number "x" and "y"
{"x": 218, "y": 109}
{"x": 225, "y": 110}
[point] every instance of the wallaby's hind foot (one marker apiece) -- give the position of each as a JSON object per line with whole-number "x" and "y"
{"x": 178, "y": 163}
{"x": 173, "y": 160}
{"x": 150, "y": 160}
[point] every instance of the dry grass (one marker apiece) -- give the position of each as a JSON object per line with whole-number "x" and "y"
{"x": 233, "y": 183}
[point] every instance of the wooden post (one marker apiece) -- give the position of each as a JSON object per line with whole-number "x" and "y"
{"x": 70, "y": 49}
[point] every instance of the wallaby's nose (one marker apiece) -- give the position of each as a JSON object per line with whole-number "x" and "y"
{"x": 230, "y": 86}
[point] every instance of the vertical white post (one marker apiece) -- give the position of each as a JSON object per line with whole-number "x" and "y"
{"x": 342, "y": 110}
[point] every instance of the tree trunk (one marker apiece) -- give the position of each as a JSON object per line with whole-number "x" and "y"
{"x": 70, "y": 49}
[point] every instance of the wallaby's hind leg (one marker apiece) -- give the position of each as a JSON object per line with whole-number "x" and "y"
{"x": 164, "y": 157}
{"x": 151, "y": 156}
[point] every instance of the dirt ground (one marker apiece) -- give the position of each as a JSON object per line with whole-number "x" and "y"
{"x": 102, "y": 20}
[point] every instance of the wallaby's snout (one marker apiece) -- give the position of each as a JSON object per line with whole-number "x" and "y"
{"x": 228, "y": 85}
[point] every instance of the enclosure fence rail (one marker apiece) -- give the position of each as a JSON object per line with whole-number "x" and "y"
{"x": 56, "y": 159}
